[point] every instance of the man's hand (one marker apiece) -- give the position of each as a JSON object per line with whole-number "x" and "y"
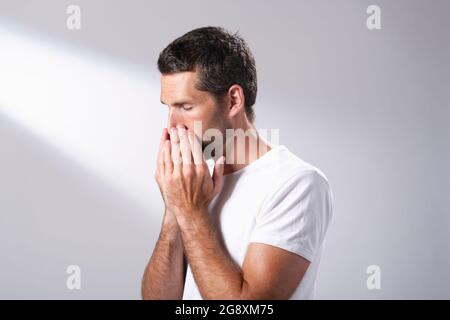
{"x": 169, "y": 217}
{"x": 187, "y": 188}
{"x": 183, "y": 175}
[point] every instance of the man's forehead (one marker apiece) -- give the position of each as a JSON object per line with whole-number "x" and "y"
{"x": 179, "y": 86}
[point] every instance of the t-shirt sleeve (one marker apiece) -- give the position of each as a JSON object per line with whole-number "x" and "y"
{"x": 296, "y": 215}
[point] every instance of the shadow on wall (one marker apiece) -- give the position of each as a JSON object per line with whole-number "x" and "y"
{"x": 55, "y": 214}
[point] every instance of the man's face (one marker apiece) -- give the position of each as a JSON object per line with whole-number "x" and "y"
{"x": 187, "y": 104}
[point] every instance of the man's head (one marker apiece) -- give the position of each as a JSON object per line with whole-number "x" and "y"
{"x": 208, "y": 75}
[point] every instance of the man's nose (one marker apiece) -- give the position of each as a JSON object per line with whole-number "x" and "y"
{"x": 174, "y": 119}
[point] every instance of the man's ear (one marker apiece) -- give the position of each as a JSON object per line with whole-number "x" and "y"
{"x": 236, "y": 100}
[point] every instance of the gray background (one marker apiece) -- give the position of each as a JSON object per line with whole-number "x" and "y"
{"x": 77, "y": 149}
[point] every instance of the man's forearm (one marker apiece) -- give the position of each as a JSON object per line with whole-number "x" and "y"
{"x": 216, "y": 274}
{"x": 165, "y": 273}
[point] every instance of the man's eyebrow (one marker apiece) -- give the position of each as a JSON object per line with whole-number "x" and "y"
{"x": 177, "y": 104}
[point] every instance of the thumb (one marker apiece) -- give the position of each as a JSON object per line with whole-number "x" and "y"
{"x": 218, "y": 174}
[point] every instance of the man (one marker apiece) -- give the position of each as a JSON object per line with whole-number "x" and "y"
{"x": 254, "y": 229}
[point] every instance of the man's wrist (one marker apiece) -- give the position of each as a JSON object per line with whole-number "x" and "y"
{"x": 193, "y": 221}
{"x": 170, "y": 229}
{"x": 169, "y": 219}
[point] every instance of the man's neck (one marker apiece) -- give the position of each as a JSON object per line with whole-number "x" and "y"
{"x": 260, "y": 147}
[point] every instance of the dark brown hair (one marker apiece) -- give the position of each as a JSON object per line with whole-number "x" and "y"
{"x": 223, "y": 59}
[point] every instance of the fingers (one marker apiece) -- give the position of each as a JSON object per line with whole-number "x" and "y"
{"x": 185, "y": 146}
{"x": 196, "y": 148}
{"x": 167, "y": 156}
{"x": 160, "y": 160}
{"x": 176, "y": 153}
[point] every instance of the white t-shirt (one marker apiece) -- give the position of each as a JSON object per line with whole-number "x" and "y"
{"x": 279, "y": 200}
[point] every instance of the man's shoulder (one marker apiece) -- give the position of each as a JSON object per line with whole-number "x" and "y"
{"x": 290, "y": 168}
{"x": 297, "y": 189}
